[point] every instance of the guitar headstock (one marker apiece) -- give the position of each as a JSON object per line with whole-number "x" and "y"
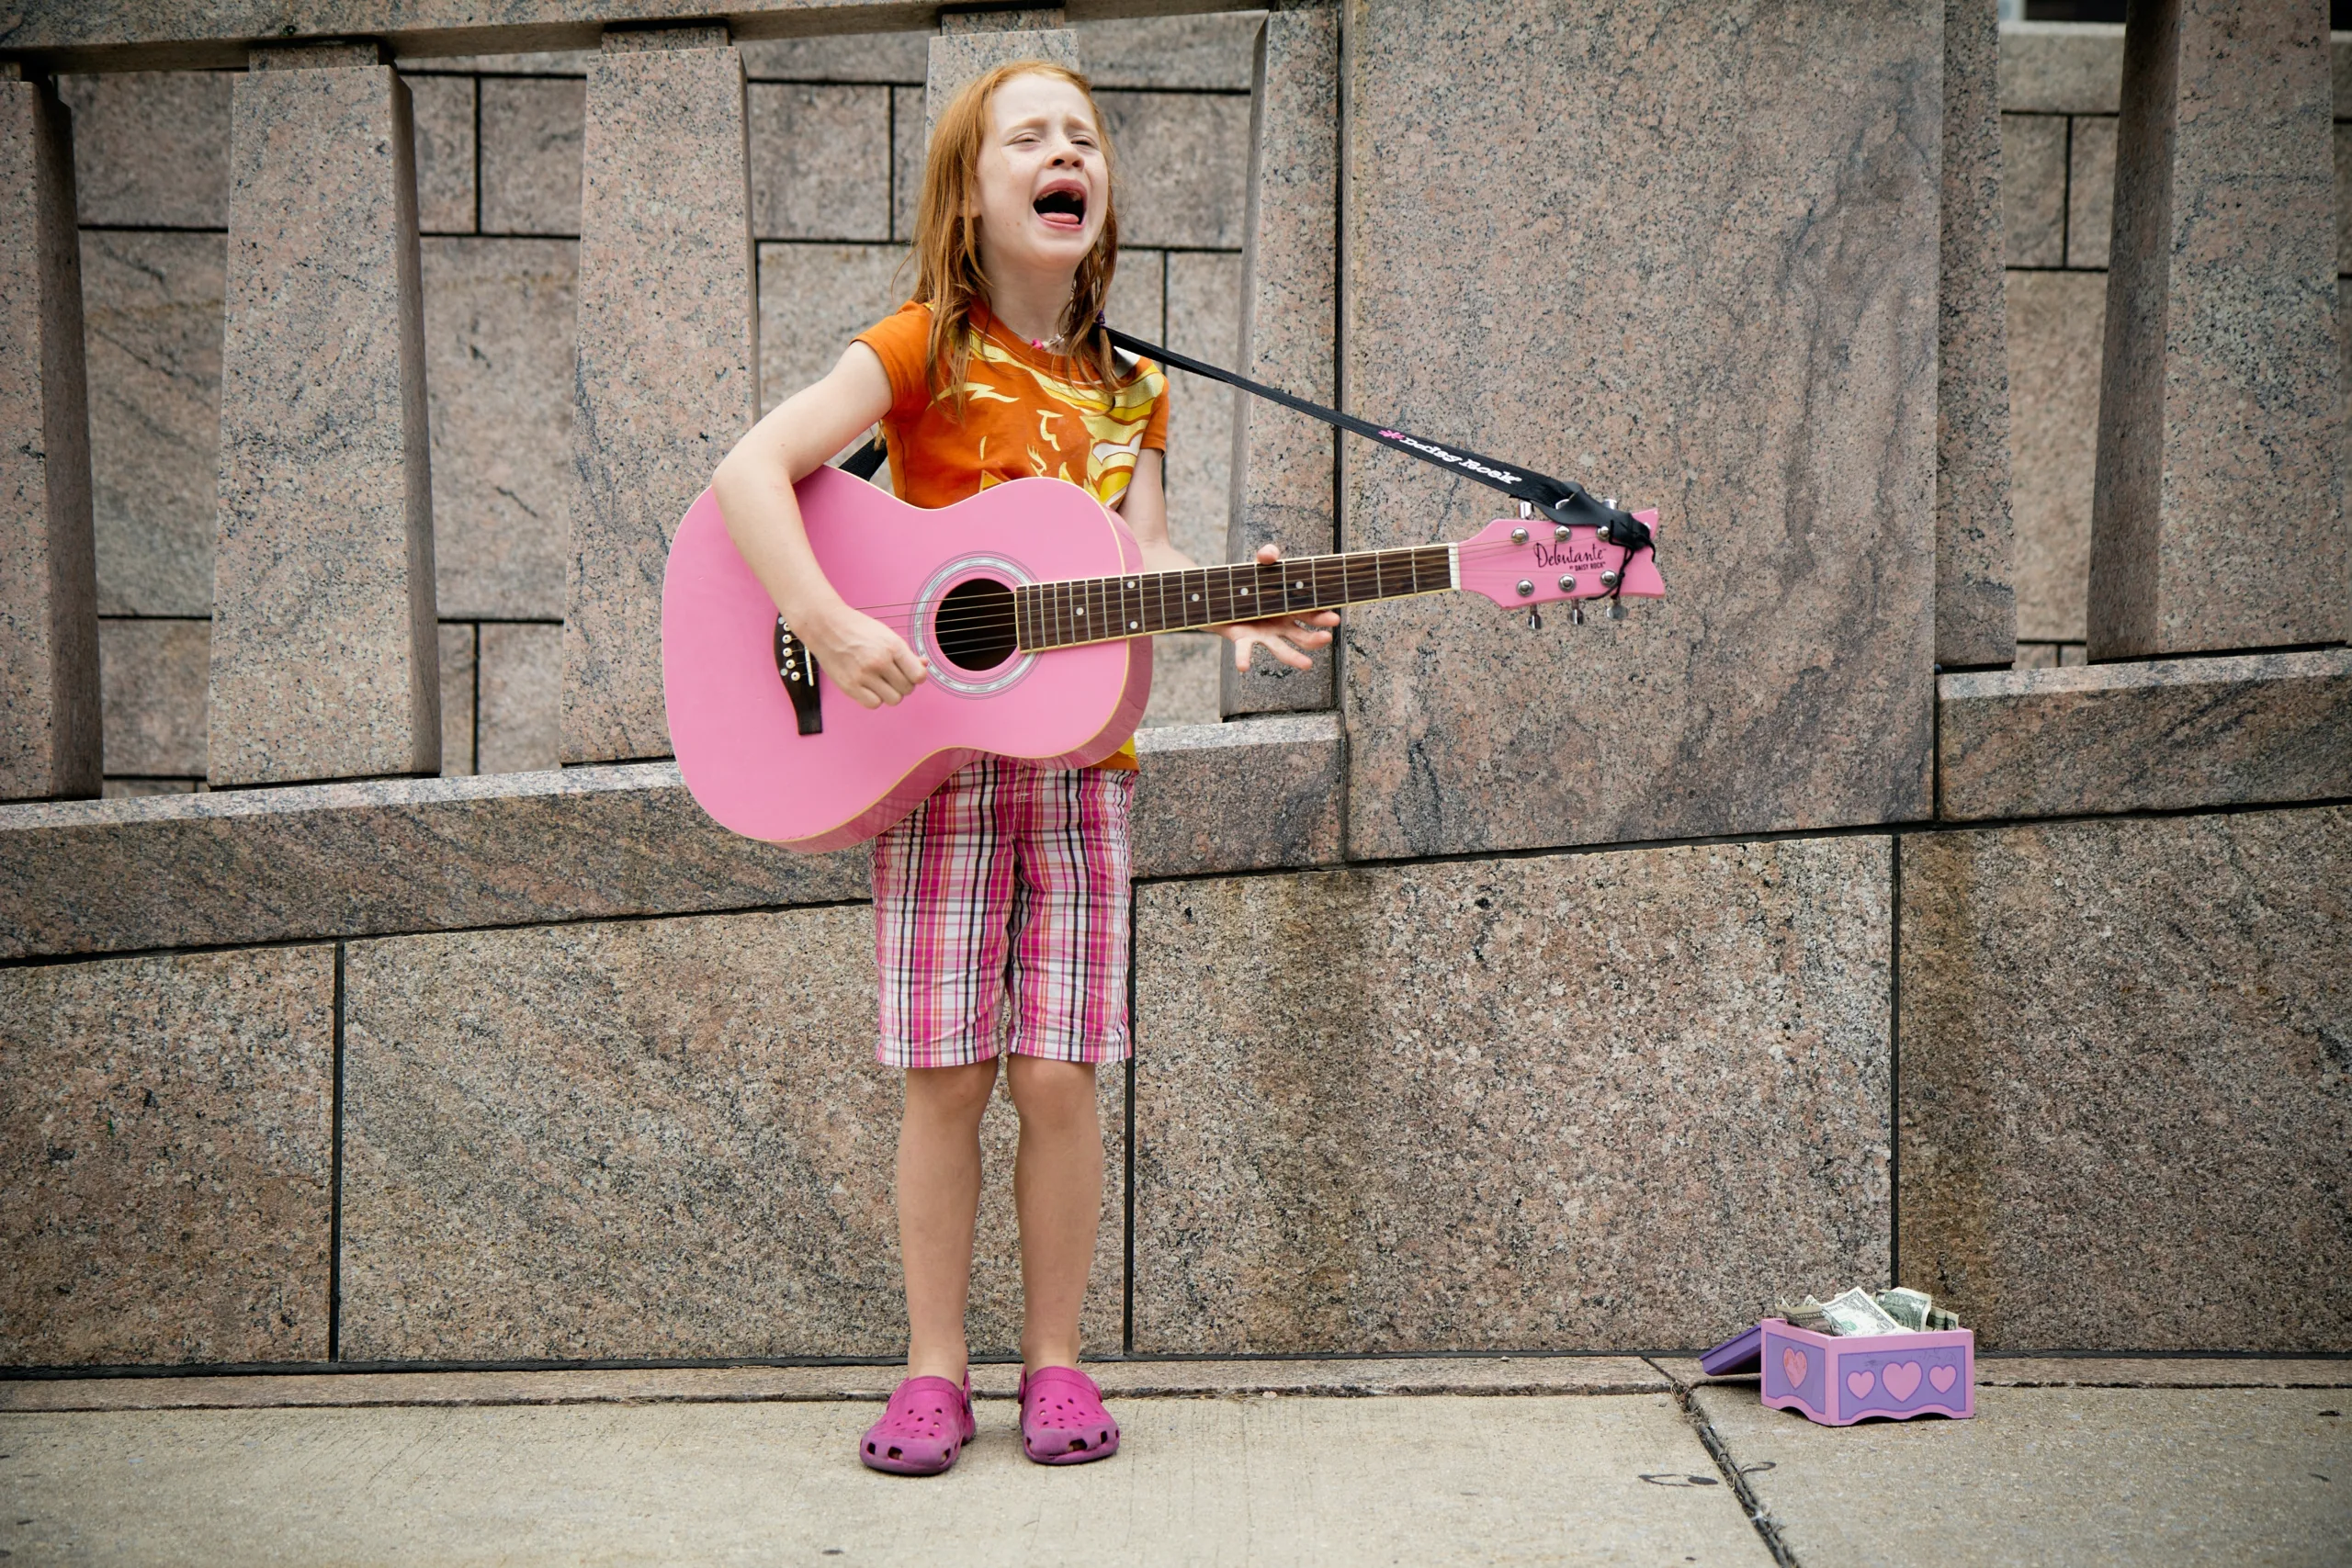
{"x": 1533, "y": 560}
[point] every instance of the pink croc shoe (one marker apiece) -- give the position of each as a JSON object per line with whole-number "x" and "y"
{"x": 926, "y": 1424}
{"x": 1062, "y": 1418}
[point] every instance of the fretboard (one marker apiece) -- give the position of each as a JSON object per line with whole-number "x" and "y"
{"x": 1102, "y": 609}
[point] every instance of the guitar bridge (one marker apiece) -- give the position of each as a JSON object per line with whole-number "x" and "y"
{"x": 798, "y": 672}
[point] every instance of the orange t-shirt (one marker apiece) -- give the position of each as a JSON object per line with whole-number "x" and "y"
{"x": 1027, "y": 413}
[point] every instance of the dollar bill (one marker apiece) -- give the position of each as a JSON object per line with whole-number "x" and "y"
{"x": 1808, "y": 1314}
{"x": 1940, "y": 1321}
{"x": 1855, "y": 1312}
{"x": 1910, "y": 1308}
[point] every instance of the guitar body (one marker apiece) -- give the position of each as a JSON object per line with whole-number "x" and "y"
{"x": 938, "y": 579}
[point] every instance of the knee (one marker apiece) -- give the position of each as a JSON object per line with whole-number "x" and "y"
{"x": 1053, "y": 1095}
{"x": 956, "y": 1094}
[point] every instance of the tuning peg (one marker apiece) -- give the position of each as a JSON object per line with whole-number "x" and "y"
{"x": 1534, "y": 619}
{"x": 1616, "y": 609}
{"x": 1575, "y": 614}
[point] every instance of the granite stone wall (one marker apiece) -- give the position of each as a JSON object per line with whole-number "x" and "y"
{"x": 835, "y": 132}
{"x": 1572, "y": 989}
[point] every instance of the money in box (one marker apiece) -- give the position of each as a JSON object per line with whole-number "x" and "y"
{"x": 1838, "y": 1381}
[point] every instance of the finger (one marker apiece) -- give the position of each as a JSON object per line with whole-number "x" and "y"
{"x": 1242, "y": 653}
{"x": 1291, "y": 656}
{"x": 907, "y": 668}
{"x": 1269, "y": 552}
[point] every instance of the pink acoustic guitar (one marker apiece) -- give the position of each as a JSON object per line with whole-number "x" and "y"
{"x": 1027, "y": 603}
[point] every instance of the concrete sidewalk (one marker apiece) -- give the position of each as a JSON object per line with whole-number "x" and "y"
{"x": 1532, "y": 1460}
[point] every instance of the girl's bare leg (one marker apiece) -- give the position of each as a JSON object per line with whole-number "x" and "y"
{"x": 939, "y": 1200}
{"x": 1058, "y": 1190}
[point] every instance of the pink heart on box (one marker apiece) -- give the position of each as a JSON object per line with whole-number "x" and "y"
{"x": 1943, "y": 1377}
{"x": 1903, "y": 1379}
{"x": 1793, "y": 1363}
{"x": 1859, "y": 1383}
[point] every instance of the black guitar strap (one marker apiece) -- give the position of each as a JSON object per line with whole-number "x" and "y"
{"x": 1563, "y": 500}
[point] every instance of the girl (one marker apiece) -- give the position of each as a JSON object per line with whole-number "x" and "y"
{"x": 1009, "y": 877}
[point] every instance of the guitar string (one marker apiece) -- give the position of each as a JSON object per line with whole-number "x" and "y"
{"x": 1465, "y": 551}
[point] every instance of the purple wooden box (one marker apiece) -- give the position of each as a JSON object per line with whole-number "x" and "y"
{"x": 1838, "y": 1381}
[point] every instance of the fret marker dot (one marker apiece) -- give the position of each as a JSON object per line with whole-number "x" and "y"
{"x": 1132, "y": 624}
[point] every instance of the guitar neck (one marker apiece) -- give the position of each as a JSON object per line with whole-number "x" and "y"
{"x": 1104, "y": 609}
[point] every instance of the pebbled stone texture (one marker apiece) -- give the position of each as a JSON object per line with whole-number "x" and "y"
{"x": 120, "y": 122}
{"x": 396, "y": 856}
{"x": 2125, "y": 1104}
{"x": 152, "y": 308}
{"x": 839, "y": 57}
{"x": 446, "y": 160}
{"x": 522, "y": 695}
{"x": 2161, "y": 736}
{"x": 1976, "y": 616}
{"x": 152, "y": 681}
{"x": 2090, "y": 190}
{"x": 165, "y": 1168}
{"x": 1251, "y": 795}
{"x": 1183, "y": 166}
{"x": 2056, "y": 320}
{"x": 1203, "y": 320}
{"x": 2217, "y": 520}
{"x": 813, "y": 299}
{"x": 667, "y": 368}
{"x": 1729, "y": 315}
{"x": 531, "y": 133}
{"x": 49, "y": 647}
{"x": 498, "y": 330}
{"x": 2033, "y": 189}
{"x": 1569, "y": 1102}
{"x": 1282, "y": 461}
{"x": 323, "y": 641}
{"x": 664, "y": 1138}
{"x": 460, "y": 674}
{"x": 2061, "y": 67}
{"x": 1210, "y": 51}
{"x": 821, "y": 162}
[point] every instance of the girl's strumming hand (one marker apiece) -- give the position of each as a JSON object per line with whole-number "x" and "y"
{"x": 866, "y": 658}
{"x": 1290, "y": 638}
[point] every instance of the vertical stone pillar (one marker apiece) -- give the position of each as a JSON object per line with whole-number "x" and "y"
{"x": 667, "y": 377}
{"x": 1977, "y": 610}
{"x": 1282, "y": 461}
{"x": 48, "y": 628}
{"x": 974, "y": 42}
{"x": 325, "y": 659}
{"x": 2216, "y": 517}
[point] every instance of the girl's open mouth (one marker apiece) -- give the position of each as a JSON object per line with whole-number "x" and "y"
{"x": 1064, "y": 207}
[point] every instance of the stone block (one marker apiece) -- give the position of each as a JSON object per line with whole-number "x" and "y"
{"x": 2060, "y": 67}
{"x": 668, "y": 348}
{"x": 460, "y": 674}
{"x": 2125, "y": 1112}
{"x": 2049, "y": 656}
{"x": 140, "y": 789}
{"x": 1203, "y": 320}
{"x": 1184, "y": 668}
{"x": 2056, "y": 319}
{"x": 843, "y": 57}
{"x": 363, "y": 859}
{"x": 1139, "y": 297}
{"x": 521, "y": 724}
{"x": 2090, "y": 190}
{"x": 1976, "y": 615}
{"x": 909, "y": 131}
{"x": 446, "y": 162}
{"x": 1210, "y": 53}
{"x": 1254, "y": 795}
{"x": 524, "y": 63}
{"x": 2164, "y": 736}
{"x": 49, "y": 652}
{"x": 1732, "y": 318}
{"x": 1183, "y": 166}
{"x": 957, "y": 57}
{"x": 164, "y": 1179}
{"x": 1283, "y": 464}
{"x": 498, "y": 330}
{"x": 2224, "y": 196}
{"x": 151, "y": 306}
{"x": 813, "y": 299}
{"x": 531, "y": 134}
{"x": 661, "y": 1137}
{"x": 324, "y": 639}
{"x": 2033, "y": 188}
{"x": 122, "y": 122}
{"x": 151, "y": 678}
{"x": 821, "y": 161}
{"x": 1558, "y": 1103}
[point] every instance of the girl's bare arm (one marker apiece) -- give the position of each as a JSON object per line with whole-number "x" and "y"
{"x": 754, "y": 487}
{"x": 1145, "y": 510}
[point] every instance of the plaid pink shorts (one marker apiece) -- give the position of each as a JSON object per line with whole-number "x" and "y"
{"x": 1009, "y": 884}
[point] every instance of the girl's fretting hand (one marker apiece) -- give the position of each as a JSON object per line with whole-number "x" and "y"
{"x": 866, "y": 658}
{"x": 1288, "y": 637}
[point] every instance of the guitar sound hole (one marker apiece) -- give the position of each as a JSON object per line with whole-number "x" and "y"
{"x": 973, "y": 627}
